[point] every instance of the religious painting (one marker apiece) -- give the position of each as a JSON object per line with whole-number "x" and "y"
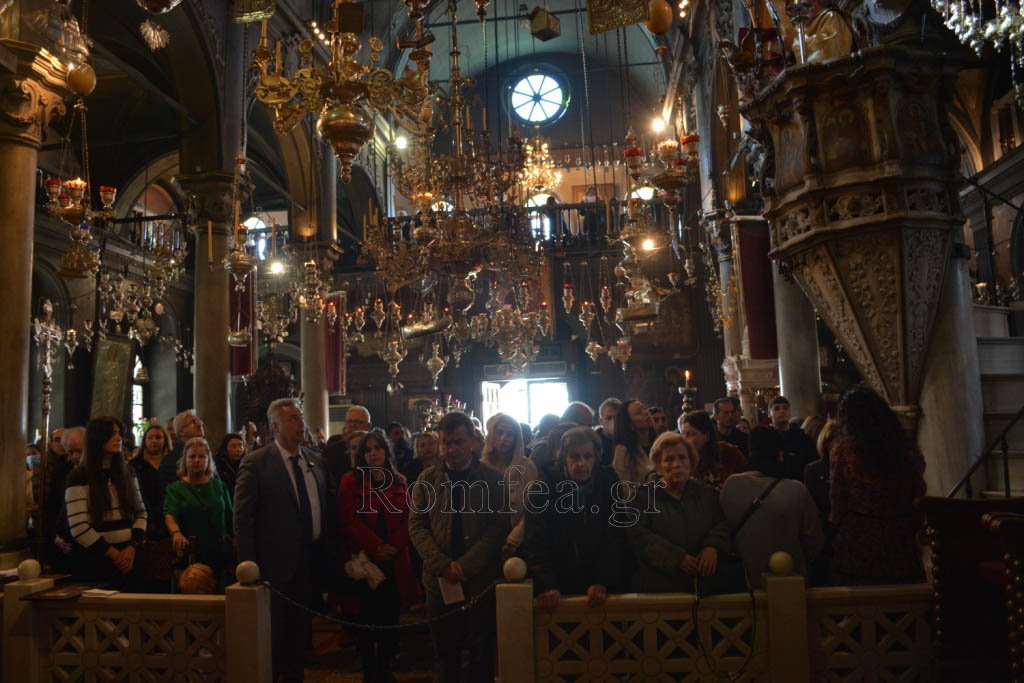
{"x": 111, "y": 376}
{"x": 608, "y": 15}
{"x": 917, "y": 135}
{"x": 844, "y": 136}
{"x": 675, "y": 331}
{"x": 790, "y": 156}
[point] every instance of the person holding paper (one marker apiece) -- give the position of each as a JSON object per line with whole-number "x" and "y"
{"x": 373, "y": 514}
{"x": 459, "y": 521}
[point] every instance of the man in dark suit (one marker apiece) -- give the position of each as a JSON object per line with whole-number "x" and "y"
{"x": 283, "y": 516}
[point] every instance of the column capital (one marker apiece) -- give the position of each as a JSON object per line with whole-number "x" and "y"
{"x": 213, "y": 193}
{"x": 32, "y": 91}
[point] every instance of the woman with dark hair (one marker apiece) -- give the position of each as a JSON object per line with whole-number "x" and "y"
{"x": 156, "y": 554}
{"x": 374, "y": 515}
{"x": 197, "y": 508}
{"x": 718, "y": 459}
{"x": 106, "y": 514}
{"x": 228, "y": 458}
{"x": 573, "y": 546}
{"x": 877, "y": 474}
{"x": 634, "y": 433}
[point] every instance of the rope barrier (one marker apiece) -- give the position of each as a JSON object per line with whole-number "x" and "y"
{"x": 359, "y": 626}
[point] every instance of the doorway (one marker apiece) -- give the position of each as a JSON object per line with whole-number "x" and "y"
{"x": 527, "y": 400}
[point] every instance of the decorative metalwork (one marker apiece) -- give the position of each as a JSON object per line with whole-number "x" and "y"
{"x": 344, "y": 91}
{"x": 608, "y": 15}
{"x": 539, "y": 169}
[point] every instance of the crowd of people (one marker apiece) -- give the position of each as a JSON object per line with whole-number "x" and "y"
{"x": 373, "y": 521}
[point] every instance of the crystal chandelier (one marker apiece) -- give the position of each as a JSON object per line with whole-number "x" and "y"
{"x": 275, "y": 314}
{"x": 1004, "y": 29}
{"x": 345, "y": 91}
{"x": 539, "y": 169}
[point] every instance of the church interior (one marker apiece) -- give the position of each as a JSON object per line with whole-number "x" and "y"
{"x": 405, "y": 210}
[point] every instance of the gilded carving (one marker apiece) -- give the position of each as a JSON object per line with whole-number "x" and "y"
{"x": 852, "y": 206}
{"x": 608, "y": 15}
{"x": 27, "y": 107}
{"x": 918, "y": 137}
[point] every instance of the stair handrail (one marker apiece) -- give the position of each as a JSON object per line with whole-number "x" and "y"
{"x": 1001, "y": 439}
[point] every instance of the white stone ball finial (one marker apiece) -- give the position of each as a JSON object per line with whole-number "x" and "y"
{"x": 247, "y": 573}
{"x": 780, "y": 563}
{"x": 29, "y": 570}
{"x": 515, "y": 569}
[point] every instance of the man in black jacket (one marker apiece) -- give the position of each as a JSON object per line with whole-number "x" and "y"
{"x": 284, "y": 516}
{"x": 797, "y": 448}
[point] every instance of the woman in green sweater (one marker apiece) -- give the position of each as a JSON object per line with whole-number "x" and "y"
{"x": 197, "y": 506}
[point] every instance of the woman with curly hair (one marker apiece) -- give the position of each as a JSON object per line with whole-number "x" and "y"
{"x": 877, "y": 473}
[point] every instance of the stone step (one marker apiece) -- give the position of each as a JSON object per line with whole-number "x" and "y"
{"x": 1002, "y": 393}
{"x": 994, "y": 470}
{"x": 994, "y": 493}
{"x": 1001, "y": 355}
{"x": 996, "y": 422}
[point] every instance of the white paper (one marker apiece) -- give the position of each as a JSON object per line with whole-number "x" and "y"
{"x": 98, "y": 593}
{"x": 451, "y": 593}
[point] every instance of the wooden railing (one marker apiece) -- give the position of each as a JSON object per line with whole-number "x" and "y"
{"x": 136, "y": 637}
{"x": 784, "y": 633}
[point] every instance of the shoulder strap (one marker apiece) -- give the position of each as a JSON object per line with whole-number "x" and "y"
{"x": 754, "y": 505}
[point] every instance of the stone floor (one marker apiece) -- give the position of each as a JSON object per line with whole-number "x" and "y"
{"x": 335, "y": 659}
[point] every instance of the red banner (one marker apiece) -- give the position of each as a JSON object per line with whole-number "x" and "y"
{"x": 242, "y": 316}
{"x": 335, "y": 342}
{"x": 758, "y": 290}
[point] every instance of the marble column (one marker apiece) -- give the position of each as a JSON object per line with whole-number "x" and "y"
{"x": 951, "y": 428}
{"x": 314, "y": 373}
{"x": 797, "y": 334}
{"x": 211, "y": 384}
{"x": 31, "y": 88}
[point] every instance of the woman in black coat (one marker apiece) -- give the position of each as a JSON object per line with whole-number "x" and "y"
{"x": 572, "y": 544}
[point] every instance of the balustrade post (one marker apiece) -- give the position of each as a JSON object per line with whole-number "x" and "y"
{"x": 789, "y": 654}
{"x": 515, "y": 624}
{"x": 247, "y": 622}
{"x": 20, "y": 656}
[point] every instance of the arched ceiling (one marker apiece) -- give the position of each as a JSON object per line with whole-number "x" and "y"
{"x": 503, "y": 48}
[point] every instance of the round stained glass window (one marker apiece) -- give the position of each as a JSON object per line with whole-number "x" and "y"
{"x": 538, "y": 99}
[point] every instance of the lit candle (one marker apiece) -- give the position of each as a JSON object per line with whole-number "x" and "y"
{"x": 209, "y": 240}
{"x": 687, "y": 375}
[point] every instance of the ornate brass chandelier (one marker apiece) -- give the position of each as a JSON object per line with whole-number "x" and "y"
{"x": 345, "y": 91}
{"x": 539, "y": 170}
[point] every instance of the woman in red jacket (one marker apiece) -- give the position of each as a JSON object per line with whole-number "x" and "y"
{"x": 374, "y": 514}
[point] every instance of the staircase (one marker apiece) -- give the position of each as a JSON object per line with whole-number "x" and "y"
{"x": 1001, "y": 361}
